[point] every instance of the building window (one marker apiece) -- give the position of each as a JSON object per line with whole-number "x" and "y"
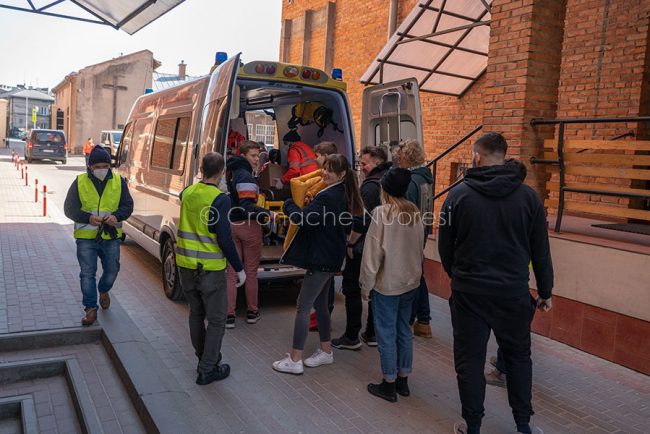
{"x": 265, "y": 133}
{"x": 43, "y": 111}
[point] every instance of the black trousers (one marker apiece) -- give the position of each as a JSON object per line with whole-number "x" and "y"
{"x": 472, "y": 317}
{"x": 353, "y": 302}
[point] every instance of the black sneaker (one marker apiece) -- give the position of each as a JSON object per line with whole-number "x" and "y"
{"x": 371, "y": 341}
{"x": 252, "y": 316}
{"x": 230, "y": 322}
{"x": 402, "y": 386}
{"x": 218, "y": 373}
{"x": 384, "y": 390}
{"x": 345, "y": 343}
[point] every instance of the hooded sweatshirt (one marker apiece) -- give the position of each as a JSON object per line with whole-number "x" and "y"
{"x": 491, "y": 227}
{"x": 243, "y": 190}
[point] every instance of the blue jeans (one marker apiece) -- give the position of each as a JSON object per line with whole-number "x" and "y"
{"x": 88, "y": 251}
{"x": 392, "y": 314}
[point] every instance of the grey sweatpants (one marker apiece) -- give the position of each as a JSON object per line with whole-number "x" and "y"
{"x": 208, "y": 299}
{"x": 312, "y": 292}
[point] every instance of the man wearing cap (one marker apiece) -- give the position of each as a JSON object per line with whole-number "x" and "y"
{"x": 300, "y": 156}
{"x": 98, "y": 201}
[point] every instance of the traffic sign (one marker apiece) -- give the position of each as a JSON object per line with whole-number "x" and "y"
{"x": 34, "y": 112}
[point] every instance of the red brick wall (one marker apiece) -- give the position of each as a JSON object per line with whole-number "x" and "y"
{"x": 522, "y": 76}
{"x": 446, "y": 119}
{"x": 548, "y": 58}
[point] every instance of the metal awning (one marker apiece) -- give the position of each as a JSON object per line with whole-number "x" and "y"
{"x": 442, "y": 43}
{"x": 127, "y": 15}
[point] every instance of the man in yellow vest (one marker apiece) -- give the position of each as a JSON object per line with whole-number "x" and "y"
{"x": 203, "y": 245}
{"x": 98, "y": 201}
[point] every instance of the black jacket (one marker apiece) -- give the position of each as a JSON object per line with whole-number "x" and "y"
{"x": 319, "y": 244}
{"x": 371, "y": 196}
{"x": 72, "y": 204}
{"x": 243, "y": 190}
{"x": 491, "y": 227}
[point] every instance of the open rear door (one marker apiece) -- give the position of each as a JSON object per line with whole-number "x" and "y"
{"x": 391, "y": 113}
{"x": 220, "y": 101}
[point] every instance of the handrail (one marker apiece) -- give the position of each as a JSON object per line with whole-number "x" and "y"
{"x": 560, "y": 155}
{"x": 540, "y": 121}
{"x": 434, "y": 163}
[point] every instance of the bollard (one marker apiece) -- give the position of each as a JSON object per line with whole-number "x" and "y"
{"x": 36, "y": 190}
{"x": 26, "y": 177}
{"x": 22, "y": 172}
{"x": 44, "y": 200}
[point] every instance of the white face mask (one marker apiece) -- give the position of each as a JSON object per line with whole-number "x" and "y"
{"x": 100, "y": 173}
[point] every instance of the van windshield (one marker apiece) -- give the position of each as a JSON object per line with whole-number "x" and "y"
{"x": 117, "y": 137}
{"x": 49, "y": 137}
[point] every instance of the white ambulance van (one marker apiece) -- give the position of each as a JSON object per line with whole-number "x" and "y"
{"x": 169, "y": 131}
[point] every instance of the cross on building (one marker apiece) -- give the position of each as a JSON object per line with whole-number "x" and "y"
{"x": 115, "y": 87}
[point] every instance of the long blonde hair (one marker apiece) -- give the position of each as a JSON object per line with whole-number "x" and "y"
{"x": 406, "y": 211}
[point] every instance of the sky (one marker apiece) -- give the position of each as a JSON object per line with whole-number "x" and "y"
{"x": 40, "y": 51}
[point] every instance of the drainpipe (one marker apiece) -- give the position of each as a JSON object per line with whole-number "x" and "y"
{"x": 392, "y": 18}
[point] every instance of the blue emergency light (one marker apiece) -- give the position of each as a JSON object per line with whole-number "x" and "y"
{"x": 148, "y": 90}
{"x": 337, "y": 74}
{"x": 220, "y": 57}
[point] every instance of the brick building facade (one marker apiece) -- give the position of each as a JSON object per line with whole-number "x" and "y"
{"x": 547, "y": 58}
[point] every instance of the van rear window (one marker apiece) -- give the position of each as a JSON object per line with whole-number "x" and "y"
{"x": 43, "y": 138}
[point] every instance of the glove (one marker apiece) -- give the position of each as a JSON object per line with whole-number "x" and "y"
{"x": 278, "y": 184}
{"x": 241, "y": 278}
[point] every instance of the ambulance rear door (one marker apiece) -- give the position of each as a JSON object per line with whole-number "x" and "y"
{"x": 221, "y": 104}
{"x": 391, "y": 113}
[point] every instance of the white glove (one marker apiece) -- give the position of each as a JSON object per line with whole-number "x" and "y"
{"x": 278, "y": 184}
{"x": 241, "y": 278}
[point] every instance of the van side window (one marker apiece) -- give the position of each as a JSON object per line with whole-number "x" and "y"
{"x": 124, "y": 146}
{"x": 169, "y": 144}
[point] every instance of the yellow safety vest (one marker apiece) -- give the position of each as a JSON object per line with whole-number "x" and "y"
{"x": 195, "y": 244}
{"x": 103, "y": 205}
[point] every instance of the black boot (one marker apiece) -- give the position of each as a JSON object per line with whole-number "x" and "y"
{"x": 218, "y": 373}
{"x": 402, "y": 386}
{"x": 384, "y": 390}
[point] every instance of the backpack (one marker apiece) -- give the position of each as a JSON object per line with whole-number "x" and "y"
{"x": 305, "y": 113}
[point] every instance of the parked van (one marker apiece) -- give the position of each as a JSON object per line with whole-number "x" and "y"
{"x": 168, "y": 132}
{"x": 110, "y": 140}
{"x": 44, "y": 144}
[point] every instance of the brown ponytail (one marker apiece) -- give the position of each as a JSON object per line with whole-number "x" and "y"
{"x": 338, "y": 164}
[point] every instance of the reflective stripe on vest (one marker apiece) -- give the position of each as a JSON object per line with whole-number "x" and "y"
{"x": 304, "y": 157}
{"x": 93, "y": 203}
{"x": 195, "y": 244}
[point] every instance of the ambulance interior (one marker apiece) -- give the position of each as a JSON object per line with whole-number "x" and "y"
{"x": 277, "y": 100}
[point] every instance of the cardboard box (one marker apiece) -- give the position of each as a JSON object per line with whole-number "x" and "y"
{"x": 270, "y": 175}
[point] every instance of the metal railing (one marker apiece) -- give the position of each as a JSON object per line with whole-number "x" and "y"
{"x": 433, "y": 164}
{"x": 560, "y": 160}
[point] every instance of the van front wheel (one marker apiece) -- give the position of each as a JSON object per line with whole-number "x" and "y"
{"x": 170, "y": 278}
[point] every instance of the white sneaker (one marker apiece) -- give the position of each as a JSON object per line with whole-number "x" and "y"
{"x": 319, "y": 357}
{"x": 288, "y": 366}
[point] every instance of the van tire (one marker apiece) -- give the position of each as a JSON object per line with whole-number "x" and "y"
{"x": 170, "y": 278}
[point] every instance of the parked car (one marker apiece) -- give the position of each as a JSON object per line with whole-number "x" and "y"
{"x": 110, "y": 140}
{"x": 46, "y": 145}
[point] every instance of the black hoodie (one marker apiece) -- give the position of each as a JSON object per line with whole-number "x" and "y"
{"x": 491, "y": 227}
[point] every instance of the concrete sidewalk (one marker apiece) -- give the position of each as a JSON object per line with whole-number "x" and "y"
{"x": 573, "y": 392}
